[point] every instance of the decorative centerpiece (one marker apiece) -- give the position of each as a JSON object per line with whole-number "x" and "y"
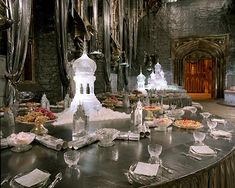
{"x": 141, "y": 83}
{"x": 38, "y": 126}
{"x": 84, "y": 69}
{"x": 157, "y": 79}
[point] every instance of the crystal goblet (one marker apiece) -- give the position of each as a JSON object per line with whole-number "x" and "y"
{"x": 199, "y": 136}
{"x": 211, "y": 125}
{"x": 154, "y": 151}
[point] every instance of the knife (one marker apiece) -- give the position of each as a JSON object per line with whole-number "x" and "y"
{"x": 192, "y": 156}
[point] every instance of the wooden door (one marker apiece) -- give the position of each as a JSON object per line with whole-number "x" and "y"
{"x": 197, "y": 76}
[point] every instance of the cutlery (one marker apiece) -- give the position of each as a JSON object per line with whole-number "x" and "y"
{"x": 217, "y": 149}
{"x": 167, "y": 169}
{"x": 58, "y": 177}
{"x": 5, "y": 180}
{"x": 128, "y": 178}
{"x": 192, "y": 156}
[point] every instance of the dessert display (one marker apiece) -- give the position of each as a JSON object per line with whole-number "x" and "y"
{"x": 35, "y": 115}
{"x": 111, "y": 101}
{"x": 151, "y": 108}
{"x": 187, "y": 124}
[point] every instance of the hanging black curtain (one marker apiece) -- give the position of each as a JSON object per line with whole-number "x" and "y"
{"x": 61, "y": 23}
{"x": 17, "y": 43}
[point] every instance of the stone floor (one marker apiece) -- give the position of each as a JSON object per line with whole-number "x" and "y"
{"x": 213, "y": 107}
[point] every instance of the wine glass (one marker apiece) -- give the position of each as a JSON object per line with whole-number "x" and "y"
{"x": 71, "y": 158}
{"x": 205, "y": 115}
{"x": 173, "y": 106}
{"x": 154, "y": 151}
{"x": 211, "y": 125}
{"x": 199, "y": 137}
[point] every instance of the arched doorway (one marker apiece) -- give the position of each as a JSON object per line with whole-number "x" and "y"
{"x": 198, "y": 77}
{"x": 199, "y": 64}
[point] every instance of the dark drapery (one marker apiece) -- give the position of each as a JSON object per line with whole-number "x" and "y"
{"x": 61, "y": 22}
{"x": 17, "y": 42}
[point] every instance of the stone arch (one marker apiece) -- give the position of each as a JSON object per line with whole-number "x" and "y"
{"x": 215, "y": 48}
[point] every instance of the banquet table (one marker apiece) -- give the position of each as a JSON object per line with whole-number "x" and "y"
{"x": 106, "y": 166}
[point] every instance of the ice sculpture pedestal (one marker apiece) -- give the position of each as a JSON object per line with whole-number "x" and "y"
{"x": 229, "y": 97}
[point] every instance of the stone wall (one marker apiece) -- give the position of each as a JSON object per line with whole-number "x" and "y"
{"x": 2, "y": 79}
{"x": 47, "y": 79}
{"x": 184, "y": 19}
{"x": 230, "y": 73}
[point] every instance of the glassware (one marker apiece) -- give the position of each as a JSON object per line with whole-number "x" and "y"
{"x": 177, "y": 113}
{"x": 154, "y": 151}
{"x": 71, "y": 157}
{"x": 173, "y": 106}
{"x": 205, "y": 115}
{"x": 211, "y": 125}
{"x": 20, "y": 141}
{"x": 199, "y": 137}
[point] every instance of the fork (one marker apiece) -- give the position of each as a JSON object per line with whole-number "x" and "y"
{"x": 5, "y": 180}
{"x": 58, "y": 177}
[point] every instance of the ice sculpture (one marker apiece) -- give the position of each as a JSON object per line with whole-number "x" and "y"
{"x": 141, "y": 83}
{"x": 157, "y": 79}
{"x": 84, "y": 78}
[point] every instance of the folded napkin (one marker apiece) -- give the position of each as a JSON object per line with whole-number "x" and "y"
{"x": 223, "y": 121}
{"x": 203, "y": 150}
{"x": 146, "y": 169}
{"x": 33, "y": 178}
{"x": 221, "y": 133}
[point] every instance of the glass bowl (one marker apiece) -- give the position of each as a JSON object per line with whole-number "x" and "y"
{"x": 106, "y": 136}
{"x": 162, "y": 123}
{"x": 20, "y": 141}
{"x": 177, "y": 113}
{"x": 71, "y": 157}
